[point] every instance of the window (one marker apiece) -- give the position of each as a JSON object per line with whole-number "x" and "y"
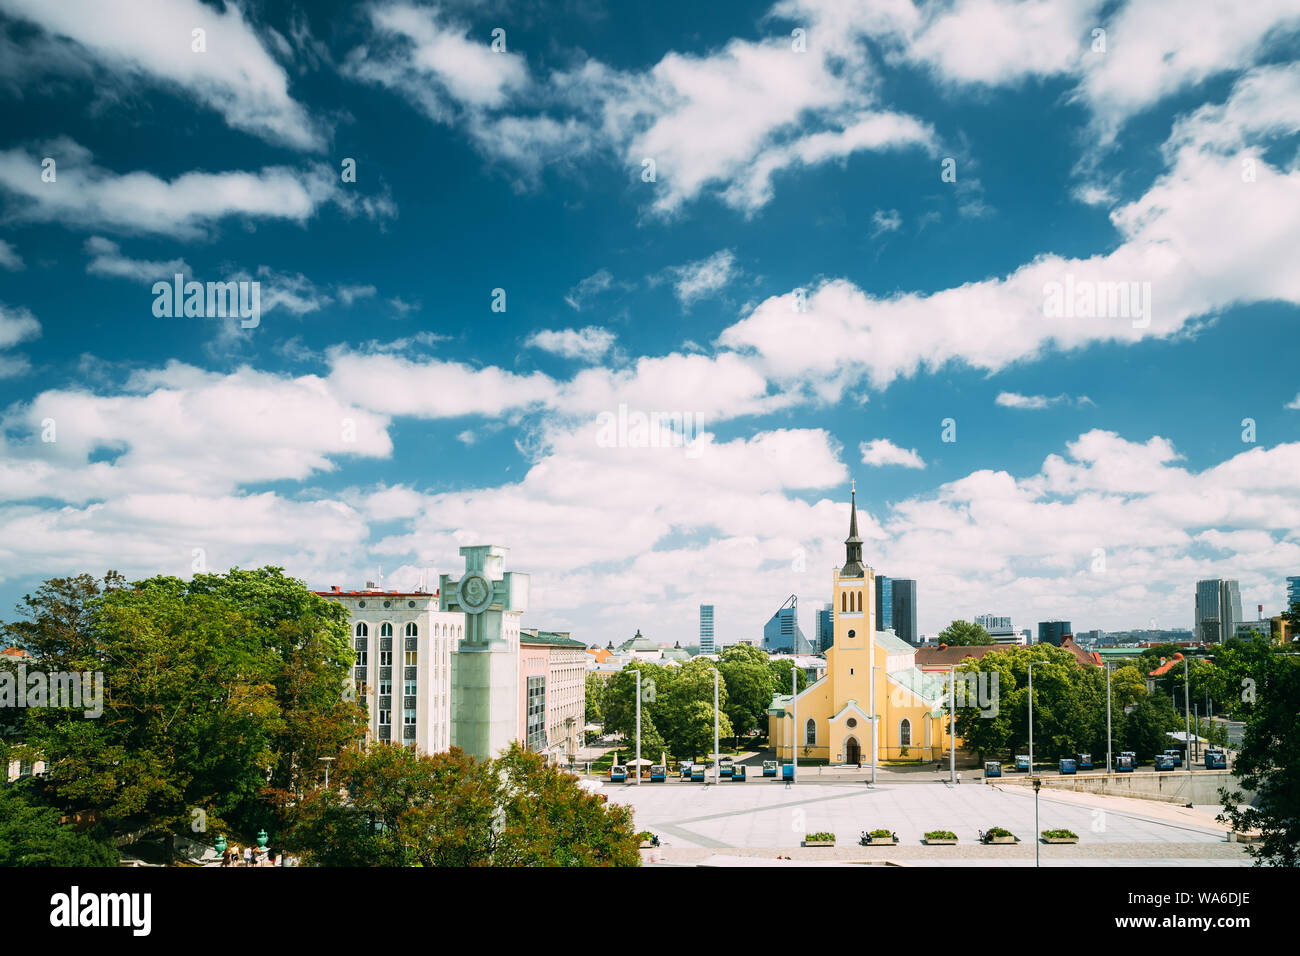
{"x": 385, "y": 630}
{"x": 385, "y": 717}
{"x": 410, "y": 657}
{"x": 905, "y": 733}
{"x": 361, "y": 657}
{"x": 385, "y": 658}
{"x": 410, "y": 688}
{"x": 412, "y": 630}
{"x": 362, "y": 630}
{"x": 408, "y": 715}
{"x": 844, "y": 602}
{"x": 385, "y": 688}
{"x": 536, "y": 727}
{"x": 810, "y": 732}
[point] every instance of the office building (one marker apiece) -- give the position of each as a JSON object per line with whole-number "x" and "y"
{"x": 782, "y": 634}
{"x": 884, "y": 603}
{"x": 1218, "y": 610}
{"x": 825, "y": 628}
{"x": 903, "y": 609}
{"x": 1051, "y": 632}
{"x": 552, "y": 693}
{"x": 706, "y": 629}
{"x": 1292, "y": 592}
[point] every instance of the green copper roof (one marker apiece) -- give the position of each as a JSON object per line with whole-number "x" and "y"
{"x": 892, "y": 643}
{"x": 551, "y": 638}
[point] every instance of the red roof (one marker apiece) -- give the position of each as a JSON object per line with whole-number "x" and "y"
{"x": 15, "y": 652}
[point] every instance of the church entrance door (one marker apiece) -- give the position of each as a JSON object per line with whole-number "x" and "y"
{"x": 852, "y": 752}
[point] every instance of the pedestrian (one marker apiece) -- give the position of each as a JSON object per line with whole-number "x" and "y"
{"x": 248, "y": 856}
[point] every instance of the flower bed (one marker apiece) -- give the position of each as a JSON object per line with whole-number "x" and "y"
{"x": 999, "y": 835}
{"x": 819, "y": 839}
{"x": 940, "y": 838}
{"x": 1060, "y": 836}
{"x": 879, "y": 838}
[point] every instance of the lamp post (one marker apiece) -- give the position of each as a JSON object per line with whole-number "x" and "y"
{"x": 1037, "y": 783}
{"x": 1187, "y": 715}
{"x": 1108, "y": 733}
{"x": 717, "y": 757}
{"x": 952, "y": 724}
{"x": 794, "y": 702}
{"x": 1031, "y": 724}
{"x": 638, "y": 727}
{"x": 327, "y": 761}
{"x": 875, "y": 719}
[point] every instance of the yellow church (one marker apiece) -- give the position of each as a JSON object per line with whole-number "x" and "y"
{"x": 866, "y": 671}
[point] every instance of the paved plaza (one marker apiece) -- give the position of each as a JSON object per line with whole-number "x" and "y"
{"x": 764, "y": 818}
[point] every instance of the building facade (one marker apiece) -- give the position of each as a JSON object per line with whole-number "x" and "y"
{"x": 404, "y": 646}
{"x": 1292, "y": 592}
{"x": 706, "y": 629}
{"x": 1218, "y": 610}
{"x": 782, "y": 634}
{"x": 863, "y": 667}
{"x": 1051, "y": 632}
{"x": 884, "y": 603}
{"x": 825, "y": 627}
{"x": 552, "y": 693}
{"x": 903, "y": 611}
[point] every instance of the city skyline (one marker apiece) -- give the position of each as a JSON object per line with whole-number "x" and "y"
{"x": 640, "y": 296}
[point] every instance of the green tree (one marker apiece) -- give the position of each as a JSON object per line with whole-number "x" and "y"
{"x": 1147, "y": 728}
{"x": 964, "y": 633}
{"x": 1269, "y": 764}
{"x": 595, "y": 699}
{"x": 677, "y": 716}
{"x": 750, "y": 685}
{"x": 31, "y": 834}
{"x": 395, "y": 807}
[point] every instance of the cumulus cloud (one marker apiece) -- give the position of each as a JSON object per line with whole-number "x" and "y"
{"x": 1016, "y": 400}
{"x": 703, "y": 277}
{"x": 9, "y": 257}
{"x": 589, "y": 343}
{"x": 237, "y": 76}
{"x": 882, "y": 451}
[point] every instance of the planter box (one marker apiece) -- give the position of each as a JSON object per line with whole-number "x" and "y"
{"x": 818, "y": 843}
{"x": 881, "y": 841}
{"x": 941, "y": 842}
{"x": 1001, "y": 839}
{"x": 1060, "y": 839}
{"x": 646, "y": 845}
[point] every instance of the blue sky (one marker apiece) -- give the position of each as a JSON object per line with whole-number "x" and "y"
{"x": 381, "y": 414}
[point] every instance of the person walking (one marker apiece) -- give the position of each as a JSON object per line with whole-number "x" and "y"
{"x": 248, "y": 856}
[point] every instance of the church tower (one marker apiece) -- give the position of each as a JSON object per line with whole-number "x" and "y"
{"x": 849, "y": 660}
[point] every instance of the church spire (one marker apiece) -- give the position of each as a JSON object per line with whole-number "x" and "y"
{"x": 853, "y": 544}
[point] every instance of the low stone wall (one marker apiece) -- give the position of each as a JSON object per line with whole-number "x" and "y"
{"x": 1170, "y": 786}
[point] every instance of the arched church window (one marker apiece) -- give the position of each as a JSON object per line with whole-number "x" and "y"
{"x": 810, "y": 732}
{"x": 412, "y": 630}
{"x": 385, "y": 630}
{"x": 844, "y": 602}
{"x": 857, "y": 597}
{"x": 362, "y": 630}
{"x": 905, "y": 733}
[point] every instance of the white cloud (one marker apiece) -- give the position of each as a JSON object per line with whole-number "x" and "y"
{"x": 108, "y": 260}
{"x": 9, "y": 257}
{"x": 589, "y": 343}
{"x": 881, "y": 451}
{"x": 886, "y": 221}
{"x": 703, "y": 277}
{"x": 88, "y": 196}
{"x": 1016, "y": 400}
{"x": 594, "y": 284}
{"x": 1294, "y": 403}
{"x": 237, "y": 76}
{"x": 17, "y": 325}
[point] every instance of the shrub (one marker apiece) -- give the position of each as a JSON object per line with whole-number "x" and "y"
{"x": 940, "y": 835}
{"x": 813, "y": 837}
{"x": 997, "y": 832}
{"x": 1060, "y": 835}
{"x": 883, "y": 834}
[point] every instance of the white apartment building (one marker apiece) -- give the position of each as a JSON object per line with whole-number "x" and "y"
{"x": 403, "y": 647}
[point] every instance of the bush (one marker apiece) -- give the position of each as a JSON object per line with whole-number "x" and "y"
{"x": 815, "y": 837}
{"x": 882, "y": 834}
{"x": 992, "y": 832}
{"x": 1060, "y": 835}
{"x": 940, "y": 835}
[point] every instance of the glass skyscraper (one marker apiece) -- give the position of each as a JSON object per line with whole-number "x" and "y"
{"x": 1051, "y": 632}
{"x": 1292, "y": 592}
{"x": 903, "y": 608}
{"x": 825, "y": 627}
{"x": 706, "y": 629}
{"x": 782, "y": 634}
{"x": 884, "y": 603}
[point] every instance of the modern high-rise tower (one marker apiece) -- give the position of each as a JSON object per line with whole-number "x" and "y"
{"x": 1218, "y": 610}
{"x": 782, "y": 634}
{"x": 884, "y": 603}
{"x": 903, "y": 608}
{"x": 706, "y": 629}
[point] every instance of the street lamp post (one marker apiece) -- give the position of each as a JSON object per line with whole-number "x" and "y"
{"x": 952, "y": 724}
{"x": 1108, "y": 737}
{"x": 875, "y": 719}
{"x": 1037, "y": 840}
{"x": 717, "y": 758}
{"x": 326, "y": 761}
{"x": 1031, "y": 719}
{"x": 1187, "y": 715}
{"x": 794, "y": 738}
{"x": 638, "y": 727}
